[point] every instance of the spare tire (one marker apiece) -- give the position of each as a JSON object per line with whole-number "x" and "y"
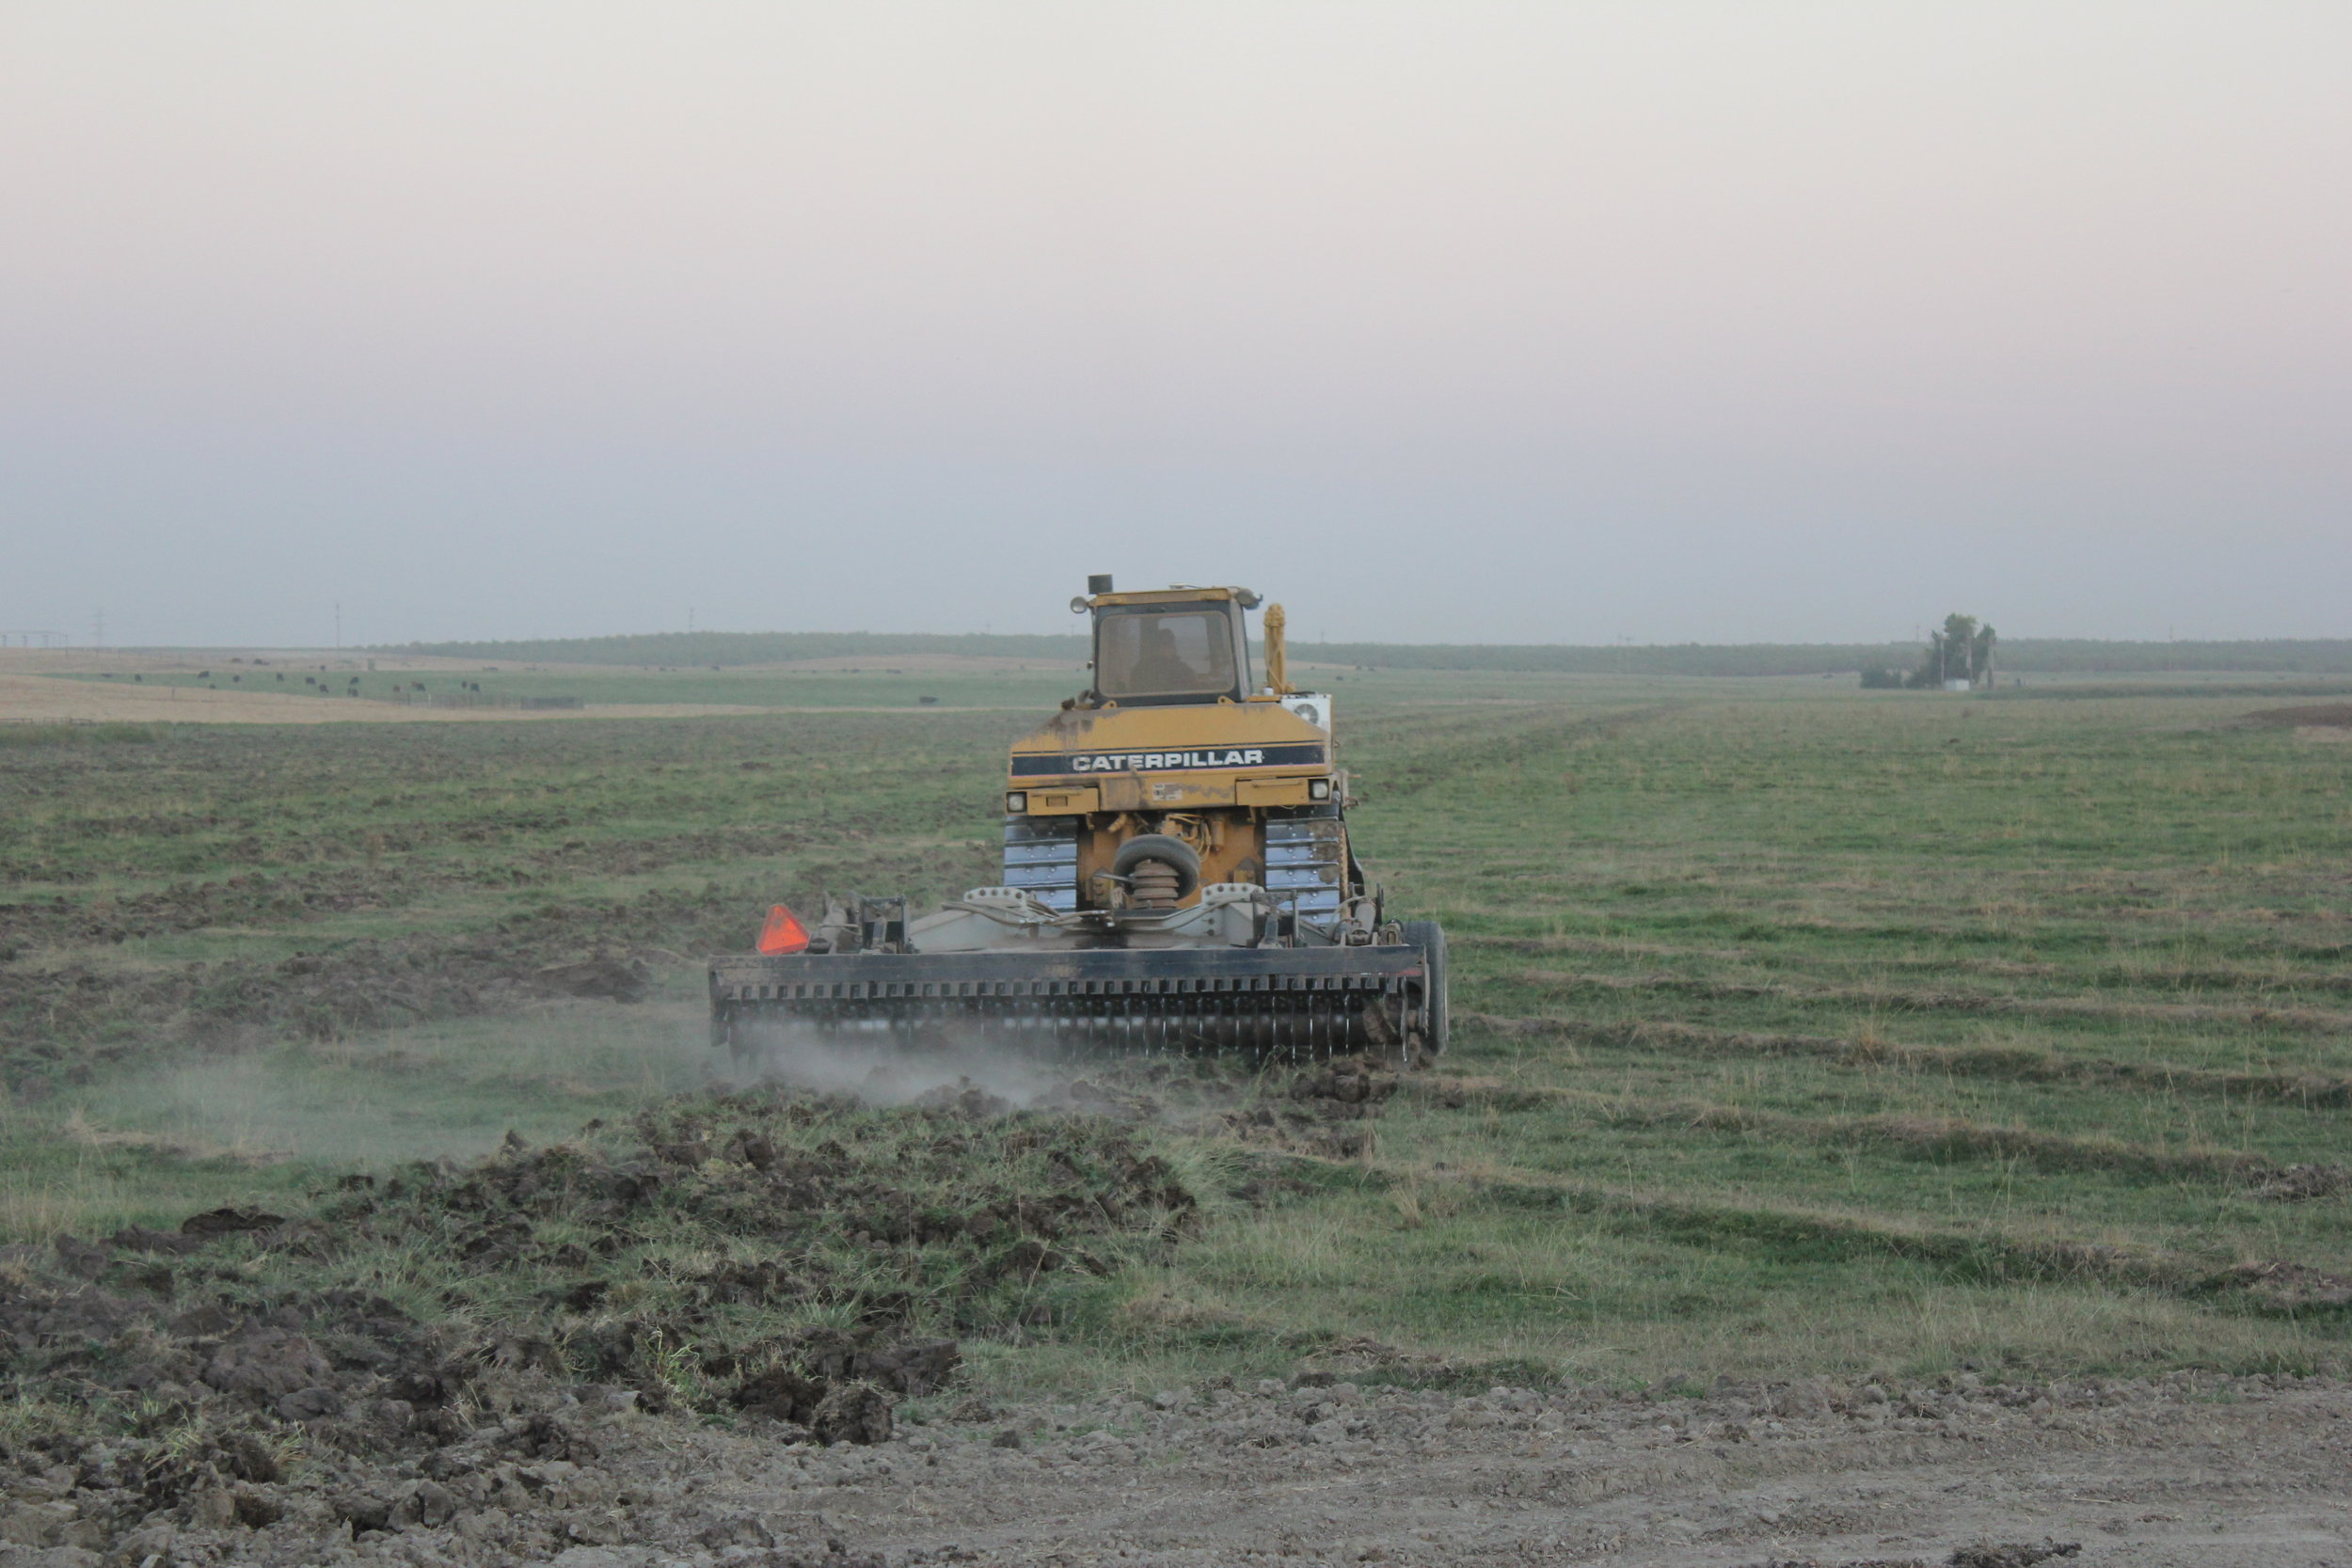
{"x": 1166, "y": 848}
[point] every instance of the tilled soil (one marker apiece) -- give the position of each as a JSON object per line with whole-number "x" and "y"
{"x": 223, "y": 1394}
{"x": 2220, "y": 1473}
{"x": 444, "y": 1344}
{"x": 2214, "y": 1474}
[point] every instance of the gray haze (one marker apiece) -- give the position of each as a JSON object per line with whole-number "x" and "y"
{"x": 1443, "y": 321}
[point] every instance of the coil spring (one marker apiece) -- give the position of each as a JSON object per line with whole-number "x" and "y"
{"x": 1153, "y": 885}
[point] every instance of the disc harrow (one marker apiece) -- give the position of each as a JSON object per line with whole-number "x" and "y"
{"x": 1284, "y": 1003}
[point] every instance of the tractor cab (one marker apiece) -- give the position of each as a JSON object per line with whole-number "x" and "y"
{"x": 1167, "y": 646}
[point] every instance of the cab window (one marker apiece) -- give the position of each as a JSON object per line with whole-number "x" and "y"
{"x": 1164, "y": 653}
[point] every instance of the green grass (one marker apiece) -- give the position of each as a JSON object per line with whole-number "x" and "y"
{"x": 1886, "y": 1031}
{"x": 46, "y": 735}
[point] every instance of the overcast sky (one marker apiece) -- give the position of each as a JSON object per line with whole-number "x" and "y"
{"x": 1554, "y": 322}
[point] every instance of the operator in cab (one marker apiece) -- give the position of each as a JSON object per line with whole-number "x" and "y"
{"x": 1177, "y": 654}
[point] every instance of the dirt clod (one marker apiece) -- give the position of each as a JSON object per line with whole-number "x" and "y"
{"x": 2014, "y": 1554}
{"x": 229, "y": 1222}
{"x": 853, "y": 1413}
{"x": 268, "y": 1362}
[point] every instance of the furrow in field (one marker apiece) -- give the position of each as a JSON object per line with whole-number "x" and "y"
{"x": 1970, "y": 1255}
{"x": 1934, "y": 1137}
{"x": 2018, "y": 1064}
{"x": 2113, "y": 977}
{"x": 1426, "y": 766}
{"x": 2301, "y": 1020}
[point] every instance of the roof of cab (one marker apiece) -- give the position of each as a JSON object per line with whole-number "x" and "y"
{"x": 1180, "y": 595}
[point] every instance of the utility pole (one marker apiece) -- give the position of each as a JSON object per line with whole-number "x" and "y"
{"x": 98, "y": 627}
{"x": 689, "y": 620}
{"x": 338, "y": 623}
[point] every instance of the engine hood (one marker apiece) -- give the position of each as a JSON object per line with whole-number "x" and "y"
{"x": 1255, "y": 737}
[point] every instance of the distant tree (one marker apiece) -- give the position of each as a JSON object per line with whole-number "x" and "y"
{"x": 1883, "y": 679}
{"x": 1960, "y": 649}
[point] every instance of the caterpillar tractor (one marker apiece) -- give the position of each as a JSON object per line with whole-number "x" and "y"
{"x": 1177, "y": 878}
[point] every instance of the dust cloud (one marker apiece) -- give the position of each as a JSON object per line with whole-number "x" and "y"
{"x": 888, "y": 1071}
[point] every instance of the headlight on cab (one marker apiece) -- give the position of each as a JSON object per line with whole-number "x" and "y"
{"x": 1318, "y": 789}
{"x": 1016, "y": 801}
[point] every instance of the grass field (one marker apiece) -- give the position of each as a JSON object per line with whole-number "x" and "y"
{"x": 1815, "y": 1030}
{"x": 2040, "y": 656}
{"x": 1041, "y": 684}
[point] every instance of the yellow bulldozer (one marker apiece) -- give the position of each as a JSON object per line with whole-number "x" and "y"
{"x": 1177, "y": 878}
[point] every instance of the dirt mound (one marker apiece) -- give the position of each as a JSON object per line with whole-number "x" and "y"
{"x": 455, "y": 1342}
